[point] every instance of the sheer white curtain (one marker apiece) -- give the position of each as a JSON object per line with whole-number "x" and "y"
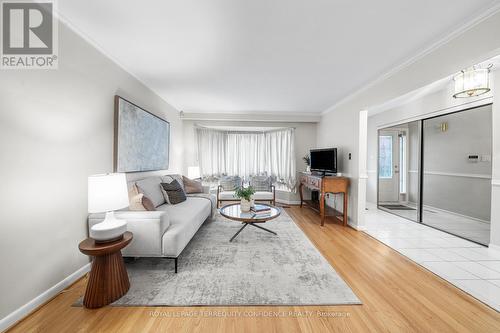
{"x": 248, "y": 153}
{"x": 280, "y": 156}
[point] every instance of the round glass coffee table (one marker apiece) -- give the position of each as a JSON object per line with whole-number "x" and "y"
{"x": 233, "y": 212}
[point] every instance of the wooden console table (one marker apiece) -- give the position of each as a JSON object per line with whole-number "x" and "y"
{"x": 324, "y": 185}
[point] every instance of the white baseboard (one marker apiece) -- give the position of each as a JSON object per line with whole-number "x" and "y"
{"x": 41, "y": 299}
{"x": 355, "y": 226}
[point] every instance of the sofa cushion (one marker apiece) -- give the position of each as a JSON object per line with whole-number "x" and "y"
{"x": 230, "y": 183}
{"x": 185, "y": 219}
{"x": 263, "y": 195}
{"x": 173, "y": 192}
{"x": 228, "y": 195}
{"x": 151, "y": 188}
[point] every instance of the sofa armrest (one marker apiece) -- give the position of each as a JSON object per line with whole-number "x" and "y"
{"x": 148, "y": 228}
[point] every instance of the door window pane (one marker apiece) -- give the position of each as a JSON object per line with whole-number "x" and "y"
{"x": 385, "y": 156}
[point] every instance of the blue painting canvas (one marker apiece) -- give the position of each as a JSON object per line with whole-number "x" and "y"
{"x": 141, "y": 139}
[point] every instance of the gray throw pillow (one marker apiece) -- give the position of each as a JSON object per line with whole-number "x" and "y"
{"x": 150, "y": 187}
{"x": 175, "y": 193}
{"x": 261, "y": 183}
{"x": 230, "y": 183}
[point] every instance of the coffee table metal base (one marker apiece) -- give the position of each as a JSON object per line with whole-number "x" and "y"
{"x": 252, "y": 224}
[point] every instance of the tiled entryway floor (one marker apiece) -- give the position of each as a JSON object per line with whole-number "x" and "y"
{"x": 455, "y": 224}
{"x": 467, "y": 265}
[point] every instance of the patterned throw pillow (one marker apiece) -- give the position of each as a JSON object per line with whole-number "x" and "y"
{"x": 230, "y": 183}
{"x": 173, "y": 192}
{"x": 261, "y": 183}
{"x": 170, "y": 178}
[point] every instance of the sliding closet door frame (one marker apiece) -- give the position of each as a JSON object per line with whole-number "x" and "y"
{"x": 420, "y": 184}
{"x": 421, "y": 172}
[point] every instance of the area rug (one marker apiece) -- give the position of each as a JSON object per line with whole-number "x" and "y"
{"x": 257, "y": 268}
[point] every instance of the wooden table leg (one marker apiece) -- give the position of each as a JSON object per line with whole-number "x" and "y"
{"x": 301, "y": 195}
{"x": 346, "y": 198}
{"x": 108, "y": 281}
{"x": 322, "y": 207}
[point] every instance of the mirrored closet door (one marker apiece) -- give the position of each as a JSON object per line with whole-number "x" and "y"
{"x": 456, "y": 185}
{"x": 398, "y": 165}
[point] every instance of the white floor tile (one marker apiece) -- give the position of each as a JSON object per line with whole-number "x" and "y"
{"x": 478, "y": 270}
{"x": 420, "y": 255}
{"x": 473, "y": 255}
{"x": 448, "y": 255}
{"x": 483, "y": 290}
{"x": 449, "y": 270}
{"x": 494, "y": 265}
{"x": 495, "y": 282}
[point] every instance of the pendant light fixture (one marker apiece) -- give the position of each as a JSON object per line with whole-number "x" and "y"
{"x": 473, "y": 81}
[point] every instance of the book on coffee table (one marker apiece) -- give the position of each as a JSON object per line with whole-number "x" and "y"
{"x": 261, "y": 208}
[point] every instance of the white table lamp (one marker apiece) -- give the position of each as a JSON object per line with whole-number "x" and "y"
{"x": 193, "y": 172}
{"x": 107, "y": 193}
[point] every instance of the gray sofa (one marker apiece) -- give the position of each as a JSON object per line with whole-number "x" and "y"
{"x": 166, "y": 231}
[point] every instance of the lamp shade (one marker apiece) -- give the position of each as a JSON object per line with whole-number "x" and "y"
{"x": 107, "y": 192}
{"x": 193, "y": 172}
{"x": 471, "y": 82}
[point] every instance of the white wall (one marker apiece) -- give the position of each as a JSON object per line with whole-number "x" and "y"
{"x": 56, "y": 128}
{"x": 495, "y": 190}
{"x": 340, "y": 129}
{"x": 305, "y": 139}
{"x": 471, "y": 47}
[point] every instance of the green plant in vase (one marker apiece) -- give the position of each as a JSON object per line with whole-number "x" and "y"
{"x": 245, "y": 194}
{"x": 307, "y": 161}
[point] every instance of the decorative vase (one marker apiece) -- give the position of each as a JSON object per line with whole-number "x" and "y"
{"x": 245, "y": 205}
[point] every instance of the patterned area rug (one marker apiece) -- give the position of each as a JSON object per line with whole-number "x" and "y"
{"x": 257, "y": 268}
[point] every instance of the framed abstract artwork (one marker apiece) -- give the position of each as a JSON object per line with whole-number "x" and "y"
{"x": 141, "y": 139}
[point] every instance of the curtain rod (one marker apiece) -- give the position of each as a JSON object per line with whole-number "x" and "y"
{"x": 242, "y": 131}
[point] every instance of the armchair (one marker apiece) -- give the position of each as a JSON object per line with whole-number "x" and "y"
{"x": 264, "y": 189}
{"x": 226, "y": 190}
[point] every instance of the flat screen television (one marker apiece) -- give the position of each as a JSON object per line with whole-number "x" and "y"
{"x": 324, "y": 160}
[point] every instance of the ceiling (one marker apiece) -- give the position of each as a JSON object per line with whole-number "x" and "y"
{"x": 240, "y": 56}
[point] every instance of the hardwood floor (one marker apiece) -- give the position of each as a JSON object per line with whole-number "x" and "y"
{"x": 397, "y": 295}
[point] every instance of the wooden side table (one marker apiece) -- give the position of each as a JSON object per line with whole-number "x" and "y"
{"x": 325, "y": 185}
{"x": 108, "y": 279}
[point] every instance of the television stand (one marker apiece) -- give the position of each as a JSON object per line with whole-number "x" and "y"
{"x": 324, "y": 185}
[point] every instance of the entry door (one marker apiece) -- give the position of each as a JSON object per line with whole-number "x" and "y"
{"x": 388, "y": 166}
